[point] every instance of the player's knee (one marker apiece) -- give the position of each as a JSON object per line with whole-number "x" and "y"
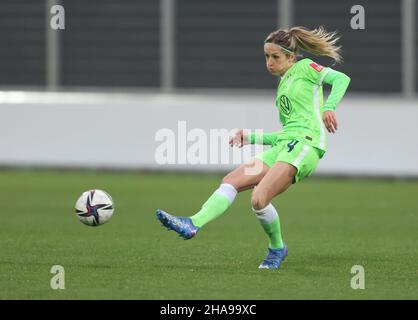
{"x": 259, "y": 200}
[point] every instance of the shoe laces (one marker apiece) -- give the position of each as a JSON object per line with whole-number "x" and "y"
{"x": 179, "y": 222}
{"x": 273, "y": 255}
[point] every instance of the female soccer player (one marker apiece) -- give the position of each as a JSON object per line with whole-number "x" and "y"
{"x": 295, "y": 150}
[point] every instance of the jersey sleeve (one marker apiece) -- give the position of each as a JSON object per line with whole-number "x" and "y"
{"x": 313, "y": 71}
{"x": 319, "y": 75}
{"x": 339, "y": 82}
{"x": 255, "y": 137}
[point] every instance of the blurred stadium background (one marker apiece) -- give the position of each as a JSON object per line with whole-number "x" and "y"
{"x": 94, "y": 96}
{"x": 135, "y": 67}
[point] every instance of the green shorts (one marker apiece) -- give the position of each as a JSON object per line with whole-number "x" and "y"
{"x": 302, "y": 156}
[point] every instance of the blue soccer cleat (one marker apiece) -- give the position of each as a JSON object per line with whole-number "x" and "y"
{"x": 182, "y": 225}
{"x": 274, "y": 258}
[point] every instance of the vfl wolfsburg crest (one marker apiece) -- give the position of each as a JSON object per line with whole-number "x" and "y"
{"x": 285, "y": 105}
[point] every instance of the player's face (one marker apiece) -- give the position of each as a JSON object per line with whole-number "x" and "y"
{"x": 277, "y": 62}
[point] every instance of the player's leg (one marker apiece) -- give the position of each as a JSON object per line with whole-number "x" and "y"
{"x": 242, "y": 178}
{"x": 293, "y": 165}
{"x": 276, "y": 181}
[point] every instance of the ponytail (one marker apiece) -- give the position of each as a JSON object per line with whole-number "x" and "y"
{"x": 318, "y": 42}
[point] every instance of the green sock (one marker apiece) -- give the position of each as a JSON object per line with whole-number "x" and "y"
{"x": 213, "y": 207}
{"x": 270, "y": 222}
{"x": 274, "y": 233}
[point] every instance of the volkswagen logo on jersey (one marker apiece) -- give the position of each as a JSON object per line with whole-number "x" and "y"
{"x": 285, "y": 105}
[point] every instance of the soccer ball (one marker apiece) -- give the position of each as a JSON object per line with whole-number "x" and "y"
{"x": 94, "y": 207}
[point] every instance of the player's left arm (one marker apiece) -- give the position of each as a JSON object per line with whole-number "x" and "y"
{"x": 339, "y": 83}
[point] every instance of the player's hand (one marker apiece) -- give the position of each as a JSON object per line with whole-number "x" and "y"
{"x": 239, "y": 139}
{"x": 330, "y": 121}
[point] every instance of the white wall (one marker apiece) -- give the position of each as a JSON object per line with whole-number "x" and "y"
{"x": 377, "y": 136}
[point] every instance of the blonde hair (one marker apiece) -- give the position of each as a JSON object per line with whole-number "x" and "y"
{"x": 318, "y": 41}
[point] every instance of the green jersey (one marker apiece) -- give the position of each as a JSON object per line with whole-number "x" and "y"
{"x": 300, "y": 103}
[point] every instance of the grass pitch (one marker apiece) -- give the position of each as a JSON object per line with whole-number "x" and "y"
{"x": 329, "y": 225}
